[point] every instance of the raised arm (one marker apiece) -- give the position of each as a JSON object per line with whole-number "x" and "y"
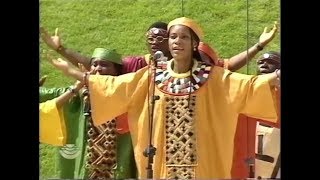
{"x": 50, "y": 93}
{"x": 46, "y": 94}
{"x": 68, "y": 69}
{"x": 65, "y": 97}
{"x": 52, "y": 122}
{"x": 110, "y": 96}
{"x": 54, "y": 42}
{"x": 238, "y": 61}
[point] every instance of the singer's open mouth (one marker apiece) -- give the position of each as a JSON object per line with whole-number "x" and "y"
{"x": 177, "y": 48}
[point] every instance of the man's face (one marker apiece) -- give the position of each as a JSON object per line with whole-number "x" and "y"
{"x": 157, "y": 40}
{"x": 268, "y": 63}
{"x": 103, "y": 67}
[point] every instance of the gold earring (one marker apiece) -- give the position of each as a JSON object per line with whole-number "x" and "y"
{"x": 194, "y": 48}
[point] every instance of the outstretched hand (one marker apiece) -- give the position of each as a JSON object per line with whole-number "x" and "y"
{"x": 60, "y": 64}
{"x": 42, "y": 80}
{"x": 52, "y": 41}
{"x": 82, "y": 68}
{"x": 67, "y": 68}
{"x": 266, "y": 36}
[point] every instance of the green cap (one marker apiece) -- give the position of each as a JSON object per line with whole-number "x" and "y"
{"x": 107, "y": 55}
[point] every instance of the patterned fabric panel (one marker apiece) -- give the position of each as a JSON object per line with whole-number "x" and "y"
{"x": 102, "y": 146}
{"x": 181, "y": 152}
{"x": 183, "y": 172}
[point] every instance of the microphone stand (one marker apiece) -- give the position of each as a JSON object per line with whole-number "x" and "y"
{"x": 150, "y": 151}
{"x": 250, "y": 162}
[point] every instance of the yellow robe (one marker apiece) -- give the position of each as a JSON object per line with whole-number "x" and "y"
{"x": 52, "y": 125}
{"x": 217, "y": 105}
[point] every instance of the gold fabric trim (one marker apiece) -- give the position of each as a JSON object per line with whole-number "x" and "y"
{"x": 181, "y": 153}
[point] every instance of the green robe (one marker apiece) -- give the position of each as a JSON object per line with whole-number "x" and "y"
{"x": 72, "y": 156}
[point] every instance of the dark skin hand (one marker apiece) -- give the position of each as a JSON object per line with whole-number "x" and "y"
{"x": 42, "y": 80}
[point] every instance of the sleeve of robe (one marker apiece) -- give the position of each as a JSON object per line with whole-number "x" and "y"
{"x": 277, "y": 93}
{"x": 251, "y": 95}
{"x": 110, "y": 96}
{"x": 50, "y": 93}
{"x": 52, "y": 125}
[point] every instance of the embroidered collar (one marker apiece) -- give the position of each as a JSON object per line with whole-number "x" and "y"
{"x": 180, "y": 83}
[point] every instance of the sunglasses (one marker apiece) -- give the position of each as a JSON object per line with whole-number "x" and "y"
{"x": 158, "y": 39}
{"x": 269, "y": 57}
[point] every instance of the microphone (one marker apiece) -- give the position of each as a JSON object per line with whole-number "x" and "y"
{"x": 159, "y": 56}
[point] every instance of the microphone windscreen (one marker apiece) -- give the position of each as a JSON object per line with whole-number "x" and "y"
{"x": 158, "y": 55}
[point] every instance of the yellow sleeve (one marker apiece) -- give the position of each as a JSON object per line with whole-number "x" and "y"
{"x": 52, "y": 124}
{"x": 251, "y": 95}
{"x": 110, "y": 96}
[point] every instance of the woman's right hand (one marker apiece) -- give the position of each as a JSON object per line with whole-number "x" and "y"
{"x": 62, "y": 65}
{"x": 266, "y": 36}
{"x": 53, "y": 42}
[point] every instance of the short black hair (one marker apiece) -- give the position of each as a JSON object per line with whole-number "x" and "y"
{"x": 274, "y": 53}
{"x": 158, "y": 24}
